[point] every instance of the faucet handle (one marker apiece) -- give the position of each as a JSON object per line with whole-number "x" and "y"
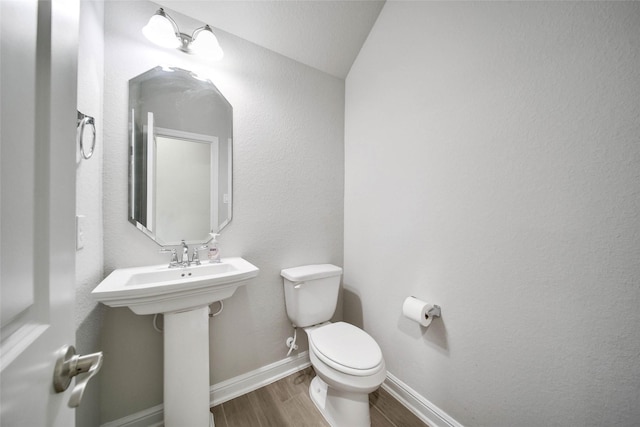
{"x": 174, "y": 256}
{"x": 195, "y": 258}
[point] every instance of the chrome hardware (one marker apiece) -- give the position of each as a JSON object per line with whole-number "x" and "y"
{"x": 434, "y": 311}
{"x": 195, "y": 258}
{"x": 84, "y": 120}
{"x": 68, "y": 365}
{"x": 184, "y": 262}
{"x": 174, "y": 257}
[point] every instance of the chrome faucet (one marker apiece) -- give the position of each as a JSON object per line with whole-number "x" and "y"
{"x": 184, "y": 262}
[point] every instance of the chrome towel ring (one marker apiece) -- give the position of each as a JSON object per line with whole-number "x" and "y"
{"x": 83, "y": 120}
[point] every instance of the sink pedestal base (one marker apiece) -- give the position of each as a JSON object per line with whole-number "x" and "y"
{"x": 186, "y": 369}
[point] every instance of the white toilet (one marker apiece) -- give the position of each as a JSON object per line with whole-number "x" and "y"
{"x": 348, "y": 362}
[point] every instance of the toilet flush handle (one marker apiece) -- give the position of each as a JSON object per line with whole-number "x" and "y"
{"x": 71, "y": 364}
{"x": 297, "y": 285}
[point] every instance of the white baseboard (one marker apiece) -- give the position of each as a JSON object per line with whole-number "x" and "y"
{"x": 245, "y": 383}
{"x": 223, "y": 391}
{"x": 421, "y": 407}
{"x": 151, "y": 417}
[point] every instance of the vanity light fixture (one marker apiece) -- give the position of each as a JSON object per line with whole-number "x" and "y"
{"x": 163, "y": 31}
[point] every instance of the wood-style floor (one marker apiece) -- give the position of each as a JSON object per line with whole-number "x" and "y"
{"x": 286, "y": 403}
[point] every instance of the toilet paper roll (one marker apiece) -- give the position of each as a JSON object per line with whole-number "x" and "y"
{"x": 417, "y": 310}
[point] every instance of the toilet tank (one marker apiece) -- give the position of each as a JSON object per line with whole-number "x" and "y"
{"x": 311, "y": 293}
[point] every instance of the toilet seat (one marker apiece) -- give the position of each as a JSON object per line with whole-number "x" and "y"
{"x": 346, "y": 348}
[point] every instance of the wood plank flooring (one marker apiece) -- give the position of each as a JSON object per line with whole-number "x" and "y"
{"x": 286, "y": 403}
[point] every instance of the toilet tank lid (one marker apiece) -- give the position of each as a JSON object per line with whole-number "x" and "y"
{"x": 310, "y": 272}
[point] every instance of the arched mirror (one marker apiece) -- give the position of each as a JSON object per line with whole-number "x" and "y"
{"x": 180, "y": 136}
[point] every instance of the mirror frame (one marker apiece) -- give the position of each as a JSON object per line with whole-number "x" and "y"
{"x": 139, "y": 139}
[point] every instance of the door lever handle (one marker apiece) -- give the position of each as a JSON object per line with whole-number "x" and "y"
{"x": 70, "y": 364}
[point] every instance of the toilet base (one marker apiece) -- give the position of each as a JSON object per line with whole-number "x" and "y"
{"x": 340, "y": 408}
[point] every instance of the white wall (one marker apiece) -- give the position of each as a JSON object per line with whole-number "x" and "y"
{"x": 492, "y": 156}
{"x": 90, "y": 259}
{"x": 288, "y": 199}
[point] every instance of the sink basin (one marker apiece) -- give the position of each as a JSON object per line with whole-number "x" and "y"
{"x": 160, "y": 289}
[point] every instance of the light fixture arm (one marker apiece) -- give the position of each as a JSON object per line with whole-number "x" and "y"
{"x": 199, "y": 30}
{"x": 185, "y": 39}
{"x": 164, "y": 14}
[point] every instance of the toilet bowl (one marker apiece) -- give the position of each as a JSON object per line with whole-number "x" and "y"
{"x": 348, "y": 362}
{"x": 348, "y": 365}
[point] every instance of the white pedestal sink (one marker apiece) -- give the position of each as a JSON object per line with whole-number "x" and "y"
{"x": 183, "y": 295}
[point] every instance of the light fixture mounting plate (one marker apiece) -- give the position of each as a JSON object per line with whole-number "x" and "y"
{"x": 185, "y": 41}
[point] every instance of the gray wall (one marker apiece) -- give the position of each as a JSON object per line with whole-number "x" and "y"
{"x": 492, "y": 156}
{"x": 288, "y": 200}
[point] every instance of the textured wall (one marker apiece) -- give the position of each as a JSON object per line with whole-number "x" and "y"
{"x": 492, "y": 165}
{"x": 89, "y": 259}
{"x": 288, "y": 199}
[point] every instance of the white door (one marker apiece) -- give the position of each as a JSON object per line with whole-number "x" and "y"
{"x": 38, "y": 64}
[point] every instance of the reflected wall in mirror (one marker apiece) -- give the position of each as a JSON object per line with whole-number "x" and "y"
{"x": 180, "y": 136}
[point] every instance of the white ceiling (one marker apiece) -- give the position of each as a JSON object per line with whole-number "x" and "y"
{"x": 324, "y": 34}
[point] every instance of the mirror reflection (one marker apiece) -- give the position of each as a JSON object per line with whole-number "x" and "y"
{"x": 180, "y": 147}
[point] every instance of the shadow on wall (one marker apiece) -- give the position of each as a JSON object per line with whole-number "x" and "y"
{"x": 352, "y": 307}
{"x": 435, "y": 335}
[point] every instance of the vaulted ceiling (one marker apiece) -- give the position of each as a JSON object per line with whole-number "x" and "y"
{"x": 324, "y": 34}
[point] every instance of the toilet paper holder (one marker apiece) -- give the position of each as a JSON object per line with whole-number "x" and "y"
{"x": 434, "y": 311}
{"x": 420, "y": 311}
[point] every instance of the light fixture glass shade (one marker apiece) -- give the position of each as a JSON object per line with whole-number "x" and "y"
{"x": 206, "y": 44}
{"x": 161, "y": 31}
